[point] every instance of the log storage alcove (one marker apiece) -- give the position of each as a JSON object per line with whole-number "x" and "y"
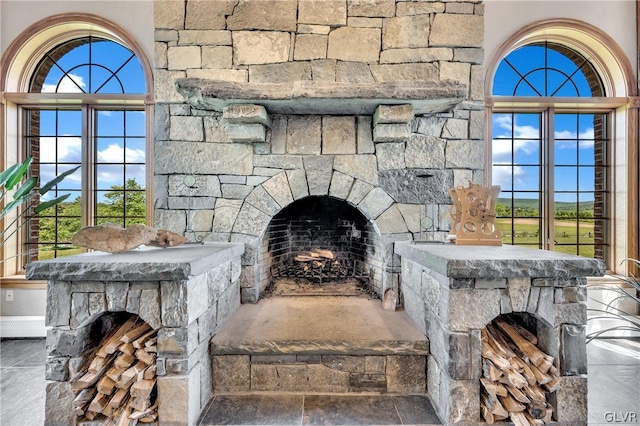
{"x": 454, "y": 294}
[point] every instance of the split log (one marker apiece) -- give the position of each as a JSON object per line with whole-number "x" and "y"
{"x": 517, "y": 376}
{"x": 119, "y": 377}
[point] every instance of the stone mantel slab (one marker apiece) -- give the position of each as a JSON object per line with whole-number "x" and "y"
{"x": 489, "y": 262}
{"x": 313, "y": 97}
{"x": 142, "y": 264}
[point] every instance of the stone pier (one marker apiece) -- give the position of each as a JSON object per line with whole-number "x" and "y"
{"x": 452, "y": 292}
{"x": 186, "y": 293}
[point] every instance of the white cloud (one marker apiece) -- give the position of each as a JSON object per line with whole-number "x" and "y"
{"x": 69, "y": 149}
{"x": 502, "y": 176}
{"x": 527, "y": 139}
{"x": 66, "y": 85}
{"x": 115, "y": 153}
{"x": 586, "y": 138}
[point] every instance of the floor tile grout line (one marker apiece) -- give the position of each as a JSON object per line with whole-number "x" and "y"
{"x": 302, "y": 410}
{"x": 397, "y": 411}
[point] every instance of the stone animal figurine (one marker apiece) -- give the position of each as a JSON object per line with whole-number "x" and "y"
{"x": 116, "y": 239}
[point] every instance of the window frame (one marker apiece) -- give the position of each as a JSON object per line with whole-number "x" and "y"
{"x": 18, "y": 65}
{"x": 617, "y": 76}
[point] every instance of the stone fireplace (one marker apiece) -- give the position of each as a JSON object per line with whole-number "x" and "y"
{"x": 263, "y": 104}
{"x": 284, "y": 126}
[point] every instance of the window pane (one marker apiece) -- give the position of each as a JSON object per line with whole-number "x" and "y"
{"x": 108, "y": 176}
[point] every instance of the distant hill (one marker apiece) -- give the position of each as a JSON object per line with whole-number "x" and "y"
{"x": 527, "y": 203}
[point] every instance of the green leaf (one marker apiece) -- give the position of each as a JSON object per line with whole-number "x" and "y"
{"x": 26, "y": 187}
{"x": 50, "y": 203}
{"x": 18, "y": 174}
{"x": 14, "y": 204}
{"x": 47, "y": 186}
{"x": 4, "y": 176}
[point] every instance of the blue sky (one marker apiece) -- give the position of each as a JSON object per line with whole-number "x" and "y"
{"x": 120, "y": 135}
{"x": 518, "y": 137}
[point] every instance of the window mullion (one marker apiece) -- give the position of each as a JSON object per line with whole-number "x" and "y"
{"x": 88, "y": 174}
{"x": 548, "y": 207}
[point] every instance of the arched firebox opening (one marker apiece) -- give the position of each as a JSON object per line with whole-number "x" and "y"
{"x": 321, "y": 246}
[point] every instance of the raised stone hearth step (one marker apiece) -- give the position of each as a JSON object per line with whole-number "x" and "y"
{"x": 319, "y": 344}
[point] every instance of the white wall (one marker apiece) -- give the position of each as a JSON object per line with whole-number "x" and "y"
{"x": 617, "y": 18}
{"x": 134, "y": 16}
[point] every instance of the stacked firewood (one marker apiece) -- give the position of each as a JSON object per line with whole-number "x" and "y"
{"x": 517, "y": 376}
{"x": 120, "y": 377}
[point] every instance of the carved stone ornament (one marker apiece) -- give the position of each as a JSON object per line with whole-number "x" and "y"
{"x": 474, "y": 215}
{"x": 116, "y": 239}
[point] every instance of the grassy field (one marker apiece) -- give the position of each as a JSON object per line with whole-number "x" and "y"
{"x": 526, "y": 232}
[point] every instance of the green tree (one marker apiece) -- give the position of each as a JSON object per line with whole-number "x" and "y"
{"x": 124, "y": 202}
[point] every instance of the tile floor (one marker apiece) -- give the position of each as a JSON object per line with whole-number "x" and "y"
{"x": 614, "y": 391}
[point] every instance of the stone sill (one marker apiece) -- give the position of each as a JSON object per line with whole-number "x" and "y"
{"x": 313, "y": 97}
{"x": 142, "y": 264}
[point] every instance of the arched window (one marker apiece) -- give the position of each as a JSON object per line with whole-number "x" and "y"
{"x": 555, "y": 116}
{"x": 81, "y": 98}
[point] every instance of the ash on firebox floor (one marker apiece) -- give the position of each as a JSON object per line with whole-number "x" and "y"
{"x": 303, "y": 287}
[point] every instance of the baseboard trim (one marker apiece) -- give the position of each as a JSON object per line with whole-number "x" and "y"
{"x": 22, "y": 326}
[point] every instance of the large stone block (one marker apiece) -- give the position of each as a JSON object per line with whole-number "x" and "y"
{"x": 472, "y": 309}
{"x": 340, "y": 185}
{"x": 116, "y": 295}
{"x": 298, "y": 183}
{"x": 393, "y": 114}
{"x": 179, "y": 398}
{"x": 427, "y": 54}
{"x": 338, "y": 135}
{"x": 353, "y": 72}
{"x": 58, "y": 402}
{"x": 186, "y": 129}
{"x": 393, "y": 72}
{"x": 391, "y": 132}
{"x": 354, "y": 44}
{"x": 310, "y": 46}
{"x": 58, "y": 303}
{"x": 410, "y": 8}
{"x": 164, "y": 89}
{"x": 391, "y": 222}
{"x": 168, "y": 14}
{"x": 260, "y": 47}
{"x": 406, "y": 32}
{"x": 246, "y": 114}
{"x": 465, "y": 154}
{"x": 247, "y": 133}
{"x": 215, "y": 129}
{"x": 204, "y": 38}
{"x": 219, "y": 74}
{"x": 260, "y": 199}
{"x": 280, "y": 73}
{"x": 406, "y": 374}
{"x": 358, "y": 191}
{"x": 417, "y": 186}
{"x": 375, "y": 202}
{"x": 363, "y": 167}
{"x": 278, "y": 188}
{"x": 322, "y": 12}
{"x": 225, "y": 214}
{"x": 217, "y": 57}
{"x": 202, "y": 186}
{"x": 183, "y": 57}
{"x": 457, "y": 30}
{"x": 323, "y": 70}
{"x": 571, "y": 398}
{"x": 319, "y": 170}
{"x": 150, "y": 307}
{"x": 372, "y": 8}
{"x": 304, "y": 135}
{"x": 251, "y": 221}
{"x": 364, "y": 138}
{"x": 206, "y": 158}
{"x": 390, "y": 156}
{"x": 425, "y": 152}
{"x": 455, "y": 71}
{"x": 277, "y": 15}
{"x": 206, "y": 14}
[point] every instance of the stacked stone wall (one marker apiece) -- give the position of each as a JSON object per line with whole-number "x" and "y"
{"x": 246, "y": 173}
